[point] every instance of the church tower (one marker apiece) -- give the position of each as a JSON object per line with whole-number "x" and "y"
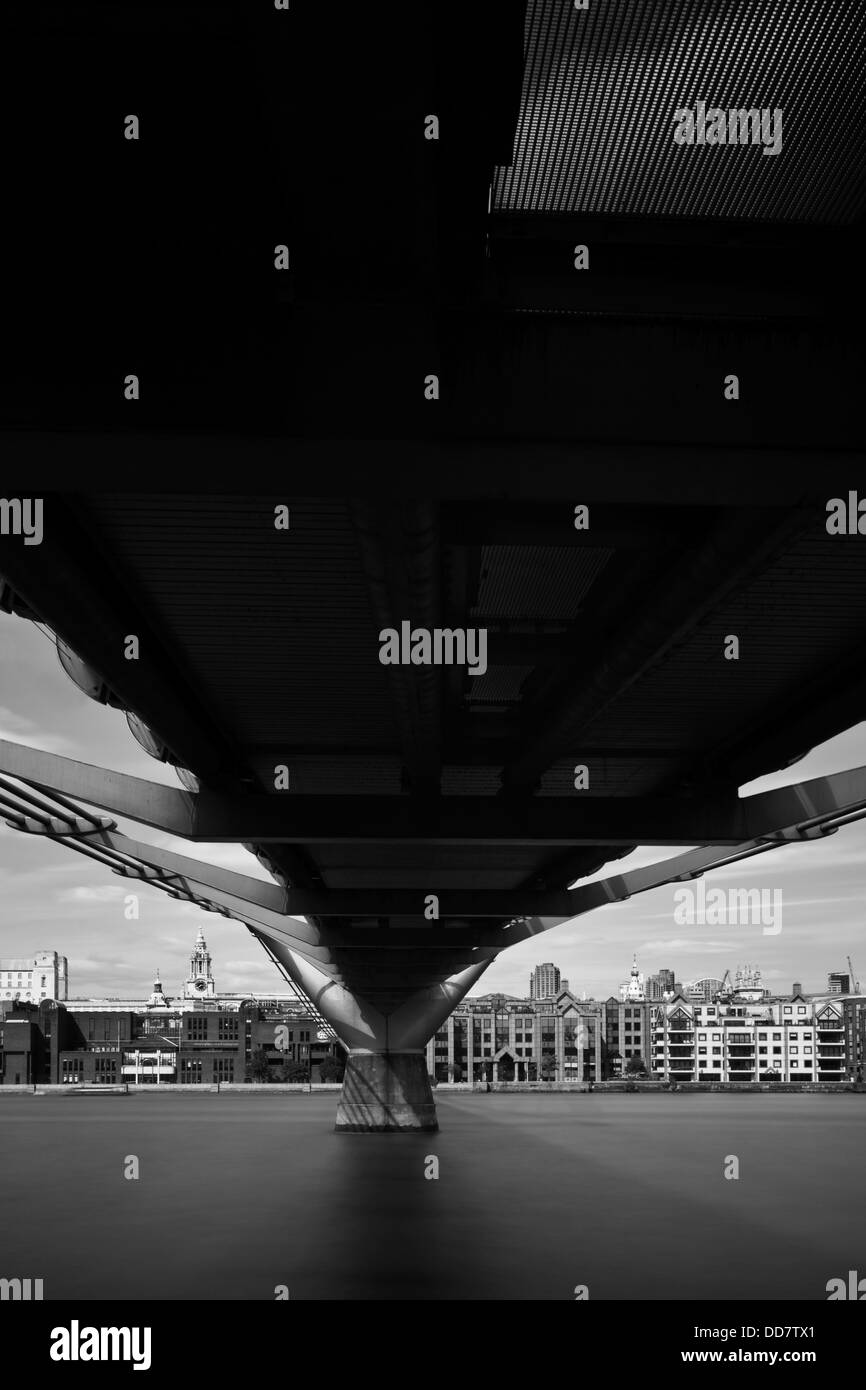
{"x": 633, "y": 991}
{"x": 199, "y": 983}
{"x": 157, "y": 999}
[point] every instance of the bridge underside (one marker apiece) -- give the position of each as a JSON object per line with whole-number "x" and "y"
{"x": 383, "y": 982}
{"x": 415, "y": 821}
{"x": 592, "y": 497}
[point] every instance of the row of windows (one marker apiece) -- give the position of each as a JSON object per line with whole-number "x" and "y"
{"x": 748, "y": 1037}
{"x": 762, "y": 1051}
{"x": 192, "y": 1071}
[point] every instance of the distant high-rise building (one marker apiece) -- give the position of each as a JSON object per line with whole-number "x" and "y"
{"x": 798, "y": 988}
{"x": 660, "y": 984}
{"x": 838, "y": 983}
{"x": 545, "y": 982}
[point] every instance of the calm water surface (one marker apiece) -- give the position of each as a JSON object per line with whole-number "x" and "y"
{"x": 535, "y": 1195}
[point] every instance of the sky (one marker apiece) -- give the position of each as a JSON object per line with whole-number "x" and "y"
{"x": 53, "y": 899}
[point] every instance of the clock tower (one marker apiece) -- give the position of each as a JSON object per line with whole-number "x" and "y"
{"x": 199, "y": 983}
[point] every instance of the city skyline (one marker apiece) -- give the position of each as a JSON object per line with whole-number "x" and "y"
{"x": 55, "y": 901}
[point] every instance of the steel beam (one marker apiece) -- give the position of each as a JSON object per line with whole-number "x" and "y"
{"x": 476, "y": 820}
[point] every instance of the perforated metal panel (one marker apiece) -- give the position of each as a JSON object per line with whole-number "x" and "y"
{"x": 600, "y": 88}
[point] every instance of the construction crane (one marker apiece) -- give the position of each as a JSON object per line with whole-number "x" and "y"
{"x": 852, "y": 983}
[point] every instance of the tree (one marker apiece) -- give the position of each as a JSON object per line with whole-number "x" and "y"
{"x": 257, "y": 1067}
{"x": 294, "y": 1072}
{"x": 635, "y": 1066}
{"x": 332, "y": 1069}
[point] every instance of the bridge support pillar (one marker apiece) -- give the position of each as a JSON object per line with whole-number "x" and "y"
{"x": 386, "y": 1091}
{"x": 386, "y": 1085}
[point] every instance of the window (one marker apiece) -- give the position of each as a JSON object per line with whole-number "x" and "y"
{"x": 792, "y": 1036}
{"x": 762, "y": 1052}
{"x": 801, "y": 1008}
{"x": 228, "y": 1029}
{"x": 787, "y": 1008}
{"x": 224, "y": 1069}
{"x": 196, "y": 1027}
{"x": 702, "y": 1052}
{"x": 777, "y": 1037}
{"x": 717, "y": 1052}
{"x": 807, "y": 1051}
{"x": 717, "y": 1037}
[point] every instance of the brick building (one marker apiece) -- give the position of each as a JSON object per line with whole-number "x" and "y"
{"x": 81, "y": 1044}
{"x": 498, "y": 1037}
{"x": 200, "y": 1039}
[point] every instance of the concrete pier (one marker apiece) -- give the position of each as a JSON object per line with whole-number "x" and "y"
{"x": 386, "y": 1091}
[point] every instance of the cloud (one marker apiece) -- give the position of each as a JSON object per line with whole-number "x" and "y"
{"x": 106, "y": 893}
{"x": 17, "y": 728}
{"x": 712, "y": 948}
